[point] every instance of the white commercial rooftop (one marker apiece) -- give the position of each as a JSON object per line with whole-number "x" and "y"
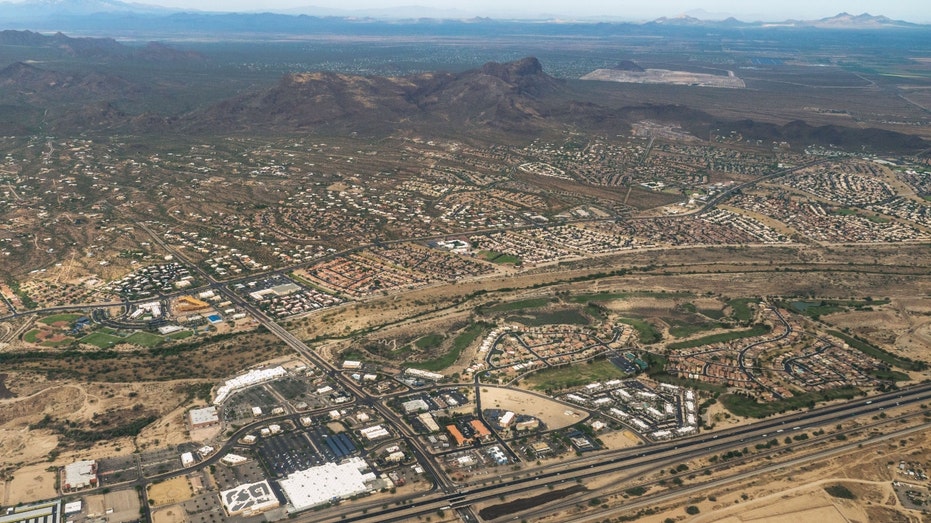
{"x": 204, "y": 416}
{"x": 249, "y": 499}
{"x": 415, "y": 405}
{"x": 81, "y": 474}
{"x": 48, "y": 512}
{"x": 250, "y": 378}
{"x": 319, "y": 485}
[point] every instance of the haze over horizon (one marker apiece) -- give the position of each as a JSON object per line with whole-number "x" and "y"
{"x": 906, "y": 10}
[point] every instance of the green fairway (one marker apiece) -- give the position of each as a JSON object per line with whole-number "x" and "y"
{"x": 574, "y": 375}
{"x": 533, "y": 303}
{"x": 741, "y": 308}
{"x": 429, "y": 341}
{"x": 757, "y": 330}
{"x": 463, "y": 340}
{"x": 563, "y": 317}
{"x": 144, "y": 339}
{"x": 48, "y": 320}
{"x": 99, "y": 339}
{"x": 645, "y": 331}
{"x": 881, "y": 355}
{"x": 181, "y": 335}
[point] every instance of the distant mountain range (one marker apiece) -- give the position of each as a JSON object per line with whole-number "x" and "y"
{"x": 117, "y": 15}
{"x": 840, "y": 21}
{"x": 97, "y": 48}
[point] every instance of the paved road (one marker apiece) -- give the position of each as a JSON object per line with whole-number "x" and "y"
{"x": 742, "y": 355}
{"x": 622, "y": 460}
{"x": 413, "y": 443}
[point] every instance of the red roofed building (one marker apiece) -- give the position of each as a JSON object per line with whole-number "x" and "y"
{"x": 460, "y": 439}
{"x": 481, "y": 431}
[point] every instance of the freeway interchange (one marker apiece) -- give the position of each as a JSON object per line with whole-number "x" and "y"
{"x": 460, "y": 497}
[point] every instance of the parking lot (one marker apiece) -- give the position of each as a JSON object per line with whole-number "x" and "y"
{"x": 228, "y": 477}
{"x": 239, "y": 407}
{"x": 291, "y": 388}
{"x": 115, "y": 470}
{"x": 287, "y": 453}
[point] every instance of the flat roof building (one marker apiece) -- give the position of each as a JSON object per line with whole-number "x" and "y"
{"x": 48, "y": 512}
{"x": 205, "y": 417}
{"x": 325, "y": 483}
{"x": 79, "y": 475}
{"x": 249, "y": 499}
{"x": 415, "y": 405}
{"x": 427, "y": 419}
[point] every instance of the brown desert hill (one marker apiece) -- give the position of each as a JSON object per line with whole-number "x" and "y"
{"x": 508, "y": 95}
{"x": 24, "y": 76}
{"x": 515, "y": 98}
{"x": 26, "y": 79}
{"x": 496, "y": 101}
{"x": 105, "y": 49}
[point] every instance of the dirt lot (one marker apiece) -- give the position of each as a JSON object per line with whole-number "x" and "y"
{"x": 168, "y": 515}
{"x": 175, "y": 490}
{"x": 29, "y": 484}
{"x": 799, "y": 495}
{"x": 551, "y": 412}
{"x": 620, "y": 439}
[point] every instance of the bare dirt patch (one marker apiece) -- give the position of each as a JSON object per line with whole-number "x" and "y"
{"x": 168, "y": 515}
{"x": 29, "y": 484}
{"x": 61, "y": 401}
{"x": 554, "y": 414}
{"x": 620, "y": 439}
{"x": 25, "y": 446}
{"x": 170, "y": 492}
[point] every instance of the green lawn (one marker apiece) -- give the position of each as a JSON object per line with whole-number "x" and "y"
{"x": 563, "y": 317}
{"x": 59, "y": 343}
{"x": 741, "y": 307}
{"x": 31, "y": 336}
{"x": 714, "y": 314}
{"x": 646, "y": 332}
{"x": 683, "y": 329}
{"x": 429, "y": 341}
{"x": 533, "y": 303}
{"x": 181, "y": 335}
{"x": 498, "y": 257}
{"x": 99, "y": 339}
{"x": 462, "y": 340}
{"x": 757, "y": 330}
{"x": 574, "y": 375}
{"x": 144, "y": 339}
{"x": 821, "y": 307}
{"x": 466, "y": 337}
{"x": 48, "y": 320}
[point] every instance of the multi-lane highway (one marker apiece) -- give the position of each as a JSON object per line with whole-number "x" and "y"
{"x": 627, "y": 460}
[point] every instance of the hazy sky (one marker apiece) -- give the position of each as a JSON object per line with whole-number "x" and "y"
{"x": 910, "y": 10}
